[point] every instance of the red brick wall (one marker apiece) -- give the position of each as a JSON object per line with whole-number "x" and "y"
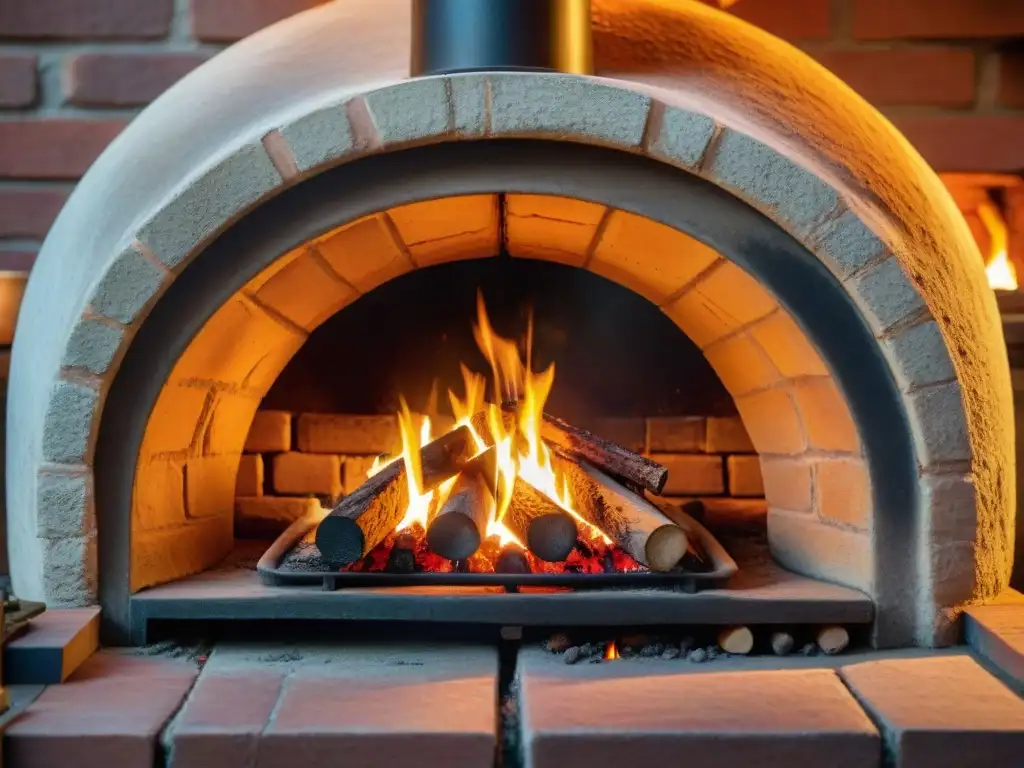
{"x": 950, "y": 73}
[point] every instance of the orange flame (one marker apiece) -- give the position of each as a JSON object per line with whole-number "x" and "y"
{"x": 1002, "y": 276}
{"x": 611, "y": 652}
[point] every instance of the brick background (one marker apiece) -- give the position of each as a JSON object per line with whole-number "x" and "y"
{"x": 72, "y": 72}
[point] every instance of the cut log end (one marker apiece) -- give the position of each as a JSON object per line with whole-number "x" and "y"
{"x": 551, "y": 537}
{"x": 340, "y": 540}
{"x": 512, "y": 559}
{"x": 833, "y": 640}
{"x": 665, "y": 547}
{"x": 453, "y": 536}
{"x": 782, "y": 643}
{"x": 738, "y": 640}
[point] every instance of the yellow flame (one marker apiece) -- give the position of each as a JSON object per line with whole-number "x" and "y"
{"x": 418, "y": 510}
{"x": 1002, "y": 276}
{"x": 465, "y": 409}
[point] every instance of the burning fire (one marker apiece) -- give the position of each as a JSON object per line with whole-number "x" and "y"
{"x": 611, "y": 652}
{"x": 520, "y": 451}
{"x": 1002, "y": 276}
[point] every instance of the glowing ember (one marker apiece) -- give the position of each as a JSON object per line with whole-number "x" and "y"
{"x": 1002, "y": 276}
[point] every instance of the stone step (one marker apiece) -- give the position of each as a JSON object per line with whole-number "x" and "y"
{"x": 53, "y": 646}
{"x": 996, "y": 633}
{"x": 279, "y": 706}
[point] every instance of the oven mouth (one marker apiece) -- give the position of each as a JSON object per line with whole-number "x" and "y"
{"x": 649, "y": 189}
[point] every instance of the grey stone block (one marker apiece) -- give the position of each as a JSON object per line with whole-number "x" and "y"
{"x": 92, "y": 346}
{"x": 949, "y": 501}
{"x": 798, "y": 540}
{"x": 847, "y": 244}
{"x": 68, "y": 424}
{"x": 886, "y": 295}
{"x": 683, "y": 137}
{"x": 319, "y": 137}
{"x": 414, "y": 110}
{"x": 919, "y": 356}
{"x": 65, "y": 506}
{"x": 568, "y": 107}
{"x": 996, "y": 632}
{"x": 209, "y": 202}
{"x": 126, "y": 286}
{"x": 69, "y": 571}
{"x": 469, "y": 98}
{"x": 772, "y": 182}
{"x": 939, "y": 424}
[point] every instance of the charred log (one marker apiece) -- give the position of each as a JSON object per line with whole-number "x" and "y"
{"x": 635, "y": 525}
{"x": 632, "y": 468}
{"x": 366, "y": 516}
{"x": 512, "y": 559}
{"x": 460, "y": 526}
{"x": 402, "y": 558}
{"x": 548, "y": 530}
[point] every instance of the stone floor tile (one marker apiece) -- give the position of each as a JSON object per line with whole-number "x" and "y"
{"x": 996, "y": 632}
{"x": 943, "y": 712}
{"x": 108, "y": 713}
{"x": 52, "y": 647}
{"x": 634, "y": 714}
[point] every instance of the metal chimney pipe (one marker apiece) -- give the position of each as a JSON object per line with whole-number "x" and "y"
{"x": 451, "y": 36}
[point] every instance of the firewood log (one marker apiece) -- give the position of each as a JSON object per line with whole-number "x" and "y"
{"x": 366, "y": 516}
{"x": 736, "y": 640}
{"x": 634, "y": 524}
{"x": 511, "y": 559}
{"x": 402, "y": 557}
{"x": 605, "y": 455}
{"x": 461, "y": 524}
{"x": 547, "y": 530}
{"x": 833, "y": 640}
{"x": 782, "y": 643}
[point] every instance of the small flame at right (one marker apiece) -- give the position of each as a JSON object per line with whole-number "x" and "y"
{"x": 611, "y": 652}
{"x": 1002, "y": 275}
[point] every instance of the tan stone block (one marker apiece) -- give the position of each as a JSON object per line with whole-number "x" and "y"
{"x": 364, "y": 253}
{"x": 306, "y": 291}
{"x": 269, "y": 432}
{"x": 788, "y": 346}
{"x": 691, "y": 474}
{"x": 676, "y": 434}
{"x": 725, "y": 299}
{"x": 741, "y": 364}
{"x": 228, "y": 425}
{"x": 353, "y": 471}
{"x": 825, "y": 416}
{"x": 158, "y": 496}
{"x": 557, "y": 229}
{"x": 233, "y": 343}
{"x": 173, "y": 553}
{"x": 302, "y": 473}
{"x": 449, "y": 229}
{"x": 175, "y": 419}
{"x": 341, "y": 433}
{"x": 210, "y": 485}
{"x": 772, "y": 420}
{"x": 842, "y": 491}
{"x": 628, "y": 432}
{"x": 726, "y": 434}
{"x": 744, "y": 476}
{"x": 250, "y": 475}
{"x": 266, "y": 517}
{"x": 788, "y": 482}
{"x": 650, "y": 258}
{"x": 806, "y": 545}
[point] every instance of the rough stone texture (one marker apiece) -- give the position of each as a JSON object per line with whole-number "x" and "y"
{"x": 996, "y": 632}
{"x": 125, "y": 288}
{"x": 331, "y": 433}
{"x": 208, "y": 203}
{"x": 691, "y": 474}
{"x": 919, "y": 356}
{"x": 680, "y": 434}
{"x": 407, "y": 114}
{"x": 110, "y": 712}
{"x": 797, "y": 198}
{"x": 299, "y": 473}
{"x": 69, "y": 571}
{"x": 682, "y": 137}
{"x": 174, "y": 553}
{"x": 319, "y": 137}
{"x": 944, "y": 712}
{"x": 469, "y": 93}
{"x": 69, "y": 423}
{"x": 636, "y": 714}
{"x": 885, "y": 295}
{"x": 796, "y": 538}
{"x": 567, "y": 107}
{"x": 353, "y": 471}
{"x": 937, "y": 418}
{"x": 270, "y": 431}
{"x": 65, "y": 505}
{"x": 398, "y": 705}
{"x": 846, "y": 245}
{"x": 92, "y": 346}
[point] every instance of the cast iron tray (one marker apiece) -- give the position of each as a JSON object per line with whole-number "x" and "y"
{"x": 723, "y": 568}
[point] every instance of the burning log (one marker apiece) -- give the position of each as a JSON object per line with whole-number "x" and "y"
{"x": 605, "y": 455}
{"x": 548, "y": 530}
{"x": 366, "y": 516}
{"x": 402, "y": 558}
{"x": 512, "y": 559}
{"x": 635, "y": 525}
{"x": 460, "y": 525}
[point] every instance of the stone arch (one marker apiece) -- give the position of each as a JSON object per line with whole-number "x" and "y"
{"x": 53, "y": 534}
